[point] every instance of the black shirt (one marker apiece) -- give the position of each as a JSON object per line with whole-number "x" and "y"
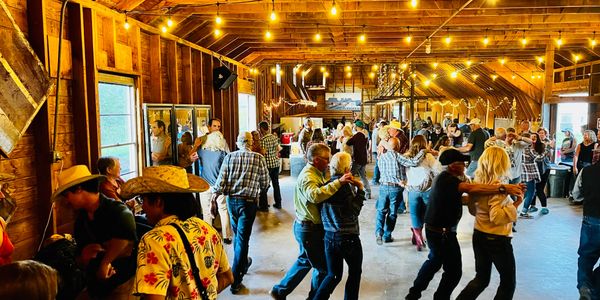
{"x": 434, "y": 137}
{"x": 444, "y": 209}
{"x": 591, "y": 190}
{"x": 477, "y": 138}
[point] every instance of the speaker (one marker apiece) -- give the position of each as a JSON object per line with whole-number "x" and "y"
{"x": 223, "y": 77}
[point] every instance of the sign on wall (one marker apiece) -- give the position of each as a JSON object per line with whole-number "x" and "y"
{"x": 343, "y": 101}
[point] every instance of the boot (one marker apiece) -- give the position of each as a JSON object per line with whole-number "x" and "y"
{"x": 418, "y": 234}
{"x": 414, "y": 237}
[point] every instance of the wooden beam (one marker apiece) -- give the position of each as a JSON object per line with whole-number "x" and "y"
{"x": 549, "y": 72}
{"x": 155, "y": 70}
{"x": 109, "y": 40}
{"x": 586, "y": 99}
{"x": 173, "y": 82}
{"x": 91, "y": 76}
{"x": 188, "y": 83}
{"x": 128, "y": 5}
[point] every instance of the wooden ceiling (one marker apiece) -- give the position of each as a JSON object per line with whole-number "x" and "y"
{"x": 385, "y": 22}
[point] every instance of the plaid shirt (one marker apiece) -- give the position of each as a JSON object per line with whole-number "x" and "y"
{"x": 270, "y": 143}
{"x": 392, "y": 165}
{"x": 243, "y": 174}
{"x": 530, "y": 171}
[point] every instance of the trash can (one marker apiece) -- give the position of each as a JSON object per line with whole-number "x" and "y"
{"x": 557, "y": 181}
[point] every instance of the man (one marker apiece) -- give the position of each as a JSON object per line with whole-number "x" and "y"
{"x": 305, "y": 134}
{"x": 374, "y": 143}
{"x": 424, "y": 130}
{"x": 475, "y": 145}
{"x": 516, "y": 145}
{"x": 160, "y": 146}
{"x": 418, "y": 123}
{"x": 360, "y": 143}
{"x": 435, "y": 135}
{"x": 447, "y": 121}
{"x": 164, "y": 266}
{"x": 395, "y": 130}
{"x": 271, "y": 145}
{"x": 499, "y": 139}
{"x": 214, "y": 124}
{"x": 587, "y": 190}
{"x": 525, "y": 127}
{"x": 104, "y": 232}
{"x": 312, "y": 188}
{"x": 211, "y": 156}
{"x": 242, "y": 176}
{"x": 443, "y": 213}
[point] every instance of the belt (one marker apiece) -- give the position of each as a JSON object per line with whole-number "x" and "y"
{"x": 307, "y": 223}
{"x": 247, "y": 198}
{"x": 440, "y": 229}
{"x": 391, "y": 184}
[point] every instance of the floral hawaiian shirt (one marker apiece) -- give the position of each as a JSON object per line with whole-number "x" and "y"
{"x": 163, "y": 265}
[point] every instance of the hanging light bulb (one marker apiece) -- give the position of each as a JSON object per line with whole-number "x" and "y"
{"x": 414, "y": 3}
{"x": 318, "y": 34}
{"x": 593, "y": 41}
{"x": 349, "y": 74}
{"x": 454, "y": 74}
{"x": 273, "y": 16}
{"x": 126, "y": 25}
{"x": 218, "y": 19}
{"x": 362, "y": 38}
{"x": 408, "y": 37}
{"x": 163, "y": 29}
{"x": 434, "y": 65}
{"x": 169, "y": 22}
{"x": 348, "y": 68}
{"x": 468, "y": 62}
{"x": 322, "y": 69}
{"x": 333, "y": 9}
{"x": 514, "y": 76}
{"x": 576, "y": 57}
{"x": 273, "y": 70}
{"x": 427, "y": 82}
{"x": 559, "y": 41}
{"x": 326, "y": 74}
{"x": 474, "y": 76}
{"x": 448, "y": 39}
{"x": 374, "y": 67}
{"x": 434, "y": 76}
{"x": 372, "y": 75}
{"x": 403, "y": 66}
{"x": 502, "y": 60}
{"x": 485, "y": 40}
{"x": 393, "y": 75}
{"x": 494, "y": 77}
{"x": 217, "y": 32}
{"x": 268, "y": 35}
{"x": 414, "y": 75}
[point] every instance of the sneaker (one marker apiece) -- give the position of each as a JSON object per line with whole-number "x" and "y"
{"x": 275, "y": 295}
{"x": 525, "y": 216}
{"x": 248, "y": 266}
{"x": 388, "y": 239}
{"x": 532, "y": 209}
{"x": 227, "y": 241}
{"x": 277, "y": 205}
{"x": 379, "y": 240}
{"x": 544, "y": 211}
{"x": 236, "y": 288}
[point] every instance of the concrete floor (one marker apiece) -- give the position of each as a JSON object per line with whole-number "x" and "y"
{"x": 545, "y": 249}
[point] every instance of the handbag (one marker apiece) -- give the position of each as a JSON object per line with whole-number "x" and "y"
{"x": 195, "y": 270}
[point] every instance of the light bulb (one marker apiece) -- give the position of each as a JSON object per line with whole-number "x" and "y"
{"x": 317, "y": 37}
{"x": 217, "y": 32}
{"x": 469, "y": 62}
{"x": 434, "y": 76}
{"x": 514, "y": 76}
{"x": 448, "y": 40}
{"x": 494, "y": 77}
{"x": 169, "y": 22}
{"x": 374, "y": 67}
{"x": 273, "y": 16}
{"x": 474, "y": 76}
{"x": 502, "y": 61}
{"x": 362, "y": 38}
{"x": 434, "y": 65}
{"x": 408, "y": 39}
{"x": 414, "y": 75}
{"x": 593, "y": 43}
{"x": 348, "y": 74}
{"x": 524, "y": 41}
{"x": 126, "y": 25}
{"x": 414, "y": 3}
{"x": 273, "y": 71}
{"x": 559, "y": 42}
{"x": 539, "y": 76}
{"x": 372, "y": 75}
{"x": 393, "y": 75}
{"x": 576, "y": 57}
{"x": 163, "y": 29}
{"x": 268, "y": 35}
{"x": 486, "y": 41}
{"x": 427, "y": 82}
{"x": 454, "y": 74}
{"x": 404, "y": 66}
{"x": 348, "y": 68}
{"x": 218, "y": 20}
{"x": 326, "y": 74}
{"x": 322, "y": 69}
{"x": 540, "y": 59}
{"x": 333, "y": 9}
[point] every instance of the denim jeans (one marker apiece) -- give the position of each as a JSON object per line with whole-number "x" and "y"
{"x": 387, "y": 210}
{"x": 529, "y": 195}
{"x": 443, "y": 251}
{"x": 497, "y": 250}
{"x": 360, "y": 171}
{"x": 263, "y": 202}
{"x": 340, "y": 248}
{"x": 589, "y": 252}
{"x": 242, "y": 215}
{"x": 376, "y": 173}
{"x": 418, "y": 203}
{"x": 312, "y": 255}
{"x": 471, "y": 169}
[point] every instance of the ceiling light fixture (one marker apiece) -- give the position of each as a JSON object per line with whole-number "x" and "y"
{"x": 448, "y": 39}
{"x": 169, "y": 22}
{"x": 414, "y": 3}
{"x": 218, "y": 19}
{"x": 126, "y": 25}
{"x": 576, "y": 57}
{"x": 524, "y": 39}
{"x": 362, "y": 38}
{"x": 485, "y": 40}
{"x": 218, "y": 32}
{"x": 318, "y": 34}
{"x": 333, "y": 10}
{"x": 454, "y": 74}
{"x": 540, "y": 59}
{"x": 502, "y": 60}
{"x": 273, "y": 16}
{"x": 435, "y": 65}
{"x": 268, "y": 34}
{"x": 348, "y": 68}
{"x": 514, "y": 76}
{"x": 559, "y": 41}
{"x": 408, "y": 37}
{"x": 593, "y": 41}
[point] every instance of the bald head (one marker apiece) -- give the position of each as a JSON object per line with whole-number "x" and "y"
{"x": 394, "y": 144}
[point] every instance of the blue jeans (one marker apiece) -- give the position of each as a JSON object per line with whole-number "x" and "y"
{"x": 340, "y": 248}
{"x": 529, "y": 195}
{"x": 418, "y": 203}
{"x": 471, "y": 169}
{"x": 376, "y": 173}
{"x": 387, "y": 210}
{"x": 589, "y": 252}
{"x": 444, "y": 250}
{"x": 312, "y": 255}
{"x": 360, "y": 171}
{"x": 242, "y": 214}
{"x": 263, "y": 201}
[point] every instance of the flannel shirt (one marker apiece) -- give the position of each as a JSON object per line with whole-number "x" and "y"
{"x": 243, "y": 174}
{"x": 392, "y": 165}
{"x": 270, "y": 143}
{"x": 530, "y": 171}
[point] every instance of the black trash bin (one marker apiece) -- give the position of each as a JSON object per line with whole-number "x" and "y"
{"x": 557, "y": 182}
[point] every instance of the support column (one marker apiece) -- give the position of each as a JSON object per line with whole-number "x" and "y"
{"x": 548, "y": 83}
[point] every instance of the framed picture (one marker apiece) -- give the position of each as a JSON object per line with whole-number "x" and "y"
{"x": 343, "y": 101}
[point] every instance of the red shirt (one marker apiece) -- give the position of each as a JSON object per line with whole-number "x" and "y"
{"x": 6, "y": 249}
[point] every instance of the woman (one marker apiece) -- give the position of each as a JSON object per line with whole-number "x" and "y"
{"x": 530, "y": 174}
{"x": 111, "y": 168}
{"x": 256, "y": 145}
{"x": 494, "y": 216}
{"x": 442, "y": 144}
{"x": 346, "y": 135}
{"x": 584, "y": 152}
{"x": 567, "y": 148}
{"x": 184, "y": 150}
{"x": 543, "y": 164}
{"x": 317, "y": 138}
{"x": 339, "y": 214}
{"x": 456, "y": 135}
{"x": 419, "y": 181}
{"x": 337, "y": 135}
{"x": 28, "y": 279}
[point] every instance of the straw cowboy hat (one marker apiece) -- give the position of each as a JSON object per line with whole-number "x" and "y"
{"x": 163, "y": 179}
{"x": 71, "y": 177}
{"x": 395, "y": 125}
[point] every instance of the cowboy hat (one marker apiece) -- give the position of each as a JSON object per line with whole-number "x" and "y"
{"x": 71, "y": 177}
{"x": 395, "y": 125}
{"x": 163, "y": 179}
{"x": 448, "y": 115}
{"x": 475, "y": 121}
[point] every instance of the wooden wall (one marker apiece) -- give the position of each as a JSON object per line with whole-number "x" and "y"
{"x": 166, "y": 69}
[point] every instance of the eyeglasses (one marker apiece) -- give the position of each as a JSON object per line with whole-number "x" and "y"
{"x": 327, "y": 159}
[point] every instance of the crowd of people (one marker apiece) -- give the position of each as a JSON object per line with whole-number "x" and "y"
{"x": 151, "y": 236}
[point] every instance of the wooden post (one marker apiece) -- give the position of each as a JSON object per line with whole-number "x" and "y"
{"x": 412, "y": 107}
{"x": 487, "y": 112}
{"x": 91, "y": 77}
{"x": 155, "y": 69}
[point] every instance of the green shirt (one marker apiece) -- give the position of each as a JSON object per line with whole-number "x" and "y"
{"x": 312, "y": 188}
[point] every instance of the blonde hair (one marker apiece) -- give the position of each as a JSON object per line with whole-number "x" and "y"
{"x": 340, "y": 163}
{"x": 347, "y": 131}
{"x": 417, "y": 144}
{"x": 493, "y": 165}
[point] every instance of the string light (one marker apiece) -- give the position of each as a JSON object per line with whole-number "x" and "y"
{"x": 126, "y": 25}
{"x": 540, "y": 59}
{"x": 322, "y": 69}
{"x": 318, "y": 34}
{"x": 593, "y": 41}
{"x": 374, "y": 67}
{"x": 434, "y": 65}
{"x": 494, "y": 77}
{"x": 427, "y": 82}
{"x": 363, "y": 37}
{"x": 448, "y": 38}
{"x": 403, "y": 66}
{"x": 414, "y": 3}
{"x": 434, "y": 76}
{"x": 393, "y": 75}
{"x": 268, "y": 34}
{"x": 333, "y": 10}
{"x": 414, "y": 75}
{"x": 163, "y": 29}
{"x": 217, "y": 32}
{"x": 576, "y": 57}
{"x": 169, "y": 22}
{"x": 514, "y": 76}
{"x": 468, "y": 62}
{"x": 218, "y": 19}
{"x": 559, "y": 41}
{"x": 326, "y": 74}
{"x": 524, "y": 39}
{"x": 502, "y": 60}
{"x": 372, "y": 75}
{"x": 408, "y": 37}
{"x": 454, "y": 74}
{"x": 349, "y": 74}
{"x": 485, "y": 40}
{"x": 273, "y": 70}
{"x": 348, "y": 68}
{"x": 273, "y": 16}
{"x": 474, "y": 76}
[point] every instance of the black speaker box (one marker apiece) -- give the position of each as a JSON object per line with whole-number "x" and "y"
{"x": 223, "y": 77}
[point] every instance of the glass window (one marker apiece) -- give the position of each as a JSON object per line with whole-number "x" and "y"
{"x": 247, "y": 112}
{"x": 118, "y": 123}
{"x": 570, "y": 116}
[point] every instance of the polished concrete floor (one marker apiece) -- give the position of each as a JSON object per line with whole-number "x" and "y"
{"x": 545, "y": 249}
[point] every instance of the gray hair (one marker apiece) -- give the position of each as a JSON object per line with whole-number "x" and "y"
{"x": 244, "y": 139}
{"x": 316, "y": 150}
{"x": 500, "y": 132}
{"x": 592, "y": 135}
{"x": 340, "y": 162}
{"x": 215, "y": 142}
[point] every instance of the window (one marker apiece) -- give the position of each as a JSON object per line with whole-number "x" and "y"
{"x": 570, "y": 116}
{"x": 247, "y": 112}
{"x": 118, "y": 122}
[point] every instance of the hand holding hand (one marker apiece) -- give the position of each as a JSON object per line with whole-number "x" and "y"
{"x": 516, "y": 189}
{"x": 346, "y": 178}
{"x": 518, "y": 202}
{"x": 194, "y": 156}
{"x": 105, "y": 270}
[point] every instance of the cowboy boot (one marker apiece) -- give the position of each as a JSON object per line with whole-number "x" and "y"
{"x": 414, "y": 237}
{"x": 418, "y": 238}
{"x": 420, "y": 234}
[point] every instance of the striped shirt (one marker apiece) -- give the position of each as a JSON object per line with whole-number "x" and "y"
{"x": 271, "y": 145}
{"x": 392, "y": 165}
{"x": 243, "y": 174}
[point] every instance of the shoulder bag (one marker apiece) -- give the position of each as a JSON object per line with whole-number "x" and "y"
{"x": 195, "y": 270}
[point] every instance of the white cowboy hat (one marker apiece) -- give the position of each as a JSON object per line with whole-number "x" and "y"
{"x": 163, "y": 179}
{"x": 475, "y": 121}
{"x": 71, "y": 177}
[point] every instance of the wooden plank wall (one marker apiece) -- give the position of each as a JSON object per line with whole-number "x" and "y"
{"x": 168, "y": 71}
